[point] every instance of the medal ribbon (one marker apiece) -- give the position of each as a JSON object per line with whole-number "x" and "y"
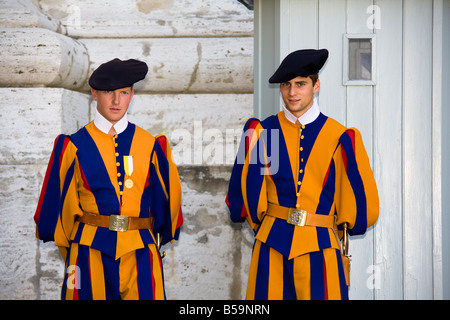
{"x": 128, "y": 165}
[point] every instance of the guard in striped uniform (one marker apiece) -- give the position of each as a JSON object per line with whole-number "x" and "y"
{"x": 111, "y": 196}
{"x": 298, "y": 176}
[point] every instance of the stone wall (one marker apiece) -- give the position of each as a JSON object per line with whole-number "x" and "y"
{"x": 198, "y": 92}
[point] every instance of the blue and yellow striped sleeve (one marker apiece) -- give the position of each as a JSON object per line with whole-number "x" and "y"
{"x": 165, "y": 198}
{"x": 357, "y": 200}
{"x": 247, "y": 196}
{"x": 58, "y": 193}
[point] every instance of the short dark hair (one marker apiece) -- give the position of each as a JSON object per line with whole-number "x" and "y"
{"x": 314, "y": 78}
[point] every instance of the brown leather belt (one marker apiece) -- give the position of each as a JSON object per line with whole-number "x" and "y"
{"x": 115, "y": 222}
{"x": 301, "y": 217}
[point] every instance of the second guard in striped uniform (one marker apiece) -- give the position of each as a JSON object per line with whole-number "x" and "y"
{"x": 299, "y": 176}
{"x": 111, "y": 196}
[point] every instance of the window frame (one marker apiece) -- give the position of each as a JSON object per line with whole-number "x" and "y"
{"x": 346, "y": 72}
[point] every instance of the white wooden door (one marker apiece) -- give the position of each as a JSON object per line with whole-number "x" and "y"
{"x": 399, "y": 113}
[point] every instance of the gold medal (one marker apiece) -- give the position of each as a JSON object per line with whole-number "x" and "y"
{"x": 129, "y": 183}
{"x": 128, "y": 166}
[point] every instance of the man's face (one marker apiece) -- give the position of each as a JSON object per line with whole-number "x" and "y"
{"x": 298, "y": 94}
{"x": 113, "y": 104}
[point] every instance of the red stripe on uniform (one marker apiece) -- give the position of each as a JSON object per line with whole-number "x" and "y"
{"x": 75, "y": 289}
{"x": 152, "y": 271}
{"x": 83, "y": 177}
{"x": 325, "y": 284}
{"x": 326, "y": 176}
{"x": 66, "y": 142}
{"x": 47, "y": 175}
{"x": 180, "y": 219}
{"x": 163, "y": 143}
{"x": 351, "y": 134}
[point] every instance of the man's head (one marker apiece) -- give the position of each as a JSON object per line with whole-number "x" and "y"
{"x": 298, "y": 94}
{"x": 113, "y": 104}
{"x": 298, "y": 78}
{"x": 112, "y": 86}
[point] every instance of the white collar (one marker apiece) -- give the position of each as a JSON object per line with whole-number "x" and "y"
{"x": 104, "y": 125}
{"x": 308, "y": 117}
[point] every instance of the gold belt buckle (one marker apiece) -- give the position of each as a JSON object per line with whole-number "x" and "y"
{"x": 118, "y": 223}
{"x": 297, "y": 217}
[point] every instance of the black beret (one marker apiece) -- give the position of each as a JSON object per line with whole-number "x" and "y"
{"x": 300, "y": 63}
{"x": 116, "y": 74}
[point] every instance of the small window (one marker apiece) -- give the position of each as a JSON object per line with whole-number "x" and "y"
{"x": 359, "y": 60}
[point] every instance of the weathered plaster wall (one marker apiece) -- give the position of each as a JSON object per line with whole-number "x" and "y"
{"x": 198, "y": 92}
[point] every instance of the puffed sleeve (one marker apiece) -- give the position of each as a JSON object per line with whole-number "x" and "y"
{"x": 356, "y": 191}
{"x": 247, "y": 196}
{"x": 53, "y": 218}
{"x": 165, "y": 188}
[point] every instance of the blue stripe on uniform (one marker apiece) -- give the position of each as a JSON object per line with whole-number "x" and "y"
{"x": 357, "y": 184}
{"x": 144, "y": 277}
{"x": 85, "y": 286}
{"x": 262, "y": 275}
{"x": 96, "y": 173}
{"x": 317, "y": 276}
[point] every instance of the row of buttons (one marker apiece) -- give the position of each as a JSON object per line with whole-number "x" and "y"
{"x": 119, "y": 175}
{"x": 299, "y": 182}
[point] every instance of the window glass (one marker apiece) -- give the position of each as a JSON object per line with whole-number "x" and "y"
{"x": 360, "y": 59}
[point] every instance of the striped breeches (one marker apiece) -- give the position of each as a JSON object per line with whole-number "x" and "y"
{"x": 93, "y": 275}
{"x": 316, "y": 276}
